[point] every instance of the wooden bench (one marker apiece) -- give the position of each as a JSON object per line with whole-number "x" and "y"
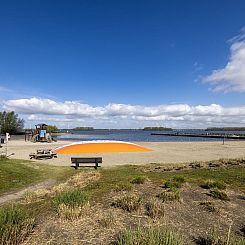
{"x": 86, "y": 160}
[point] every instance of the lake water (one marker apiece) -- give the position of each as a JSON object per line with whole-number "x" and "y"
{"x": 137, "y": 135}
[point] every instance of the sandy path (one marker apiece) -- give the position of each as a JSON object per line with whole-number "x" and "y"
{"x": 13, "y": 196}
{"x": 163, "y": 152}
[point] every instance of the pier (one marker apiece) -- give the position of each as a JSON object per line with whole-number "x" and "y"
{"x": 207, "y": 135}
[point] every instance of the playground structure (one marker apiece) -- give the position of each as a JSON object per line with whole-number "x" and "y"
{"x": 39, "y": 134}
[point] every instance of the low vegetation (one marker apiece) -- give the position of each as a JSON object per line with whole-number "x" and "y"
{"x": 108, "y": 206}
{"x": 15, "y": 225}
{"x": 216, "y": 193}
{"x": 138, "y": 180}
{"x": 128, "y": 202}
{"x": 153, "y": 235}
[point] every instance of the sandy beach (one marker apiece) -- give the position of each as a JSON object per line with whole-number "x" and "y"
{"x": 163, "y": 152}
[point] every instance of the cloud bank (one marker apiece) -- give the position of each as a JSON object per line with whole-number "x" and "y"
{"x": 125, "y": 115}
{"x": 231, "y": 78}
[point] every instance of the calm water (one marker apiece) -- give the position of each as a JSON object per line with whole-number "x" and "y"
{"x": 136, "y": 135}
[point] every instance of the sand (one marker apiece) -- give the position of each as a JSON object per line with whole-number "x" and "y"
{"x": 163, "y": 152}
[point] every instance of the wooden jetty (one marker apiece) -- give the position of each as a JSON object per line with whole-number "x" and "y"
{"x": 207, "y": 135}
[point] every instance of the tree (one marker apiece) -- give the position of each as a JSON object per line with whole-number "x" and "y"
{"x": 52, "y": 129}
{"x": 10, "y": 123}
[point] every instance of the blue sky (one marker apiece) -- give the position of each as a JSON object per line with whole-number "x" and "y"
{"x": 83, "y": 58}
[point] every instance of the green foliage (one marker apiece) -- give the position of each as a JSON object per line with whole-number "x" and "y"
{"x": 209, "y": 184}
{"x": 175, "y": 183}
{"x": 153, "y": 235}
{"x": 138, "y": 180}
{"x": 15, "y": 225}
{"x": 128, "y": 202}
{"x": 52, "y": 129}
{"x": 10, "y": 123}
{"x": 215, "y": 193}
{"x": 72, "y": 198}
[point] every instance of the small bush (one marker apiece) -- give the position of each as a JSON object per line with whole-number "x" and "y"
{"x": 210, "y": 184}
{"x": 154, "y": 235}
{"x": 215, "y": 193}
{"x": 154, "y": 208}
{"x": 123, "y": 187}
{"x": 138, "y": 180}
{"x": 128, "y": 202}
{"x": 169, "y": 195}
{"x": 175, "y": 182}
{"x": 15, "y": 225}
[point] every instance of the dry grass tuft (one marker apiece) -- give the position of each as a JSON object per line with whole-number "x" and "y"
{"x": 169, "y": 195}
{"x": 209, "y": 206}
{"x": 128, "y": 202}
{"x": 35, "y": 196}
{"x": 154, "y": 208}
{"x": 123, "y": 187}
{"x": 216, "y": 193}
{"x": 107, "y": 220}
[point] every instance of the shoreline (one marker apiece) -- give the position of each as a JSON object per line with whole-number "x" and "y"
{"x": 163, "y": 152}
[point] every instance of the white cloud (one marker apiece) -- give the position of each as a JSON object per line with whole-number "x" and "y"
{"x": 231, "y": 78}
{"x": 122, "y": 115}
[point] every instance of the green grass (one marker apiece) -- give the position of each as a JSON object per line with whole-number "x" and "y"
{"x": 16, "y": 174}
{"x": 217, "y": 194}
{"x": 111, "y": 177}
{"x": 210, "y": 184}
{"x": 15, "y": 225}
{"x": 72, "y": 198}
{"x": 138, "y": 180}
{"x": 153, "y": 235}
{"x": 175, "y": 183}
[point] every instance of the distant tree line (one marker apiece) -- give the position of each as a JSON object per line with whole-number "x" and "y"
{"x": 52, "y": 129}
{"x": 83, "y": 128}
{"x": 11, "y": 123}
{"x": 157, "y": 129}
{"x": 226, "y": 129}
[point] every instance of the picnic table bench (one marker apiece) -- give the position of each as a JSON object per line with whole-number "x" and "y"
{"x": 86, "y": 160}
{"x": 43, "y": 154}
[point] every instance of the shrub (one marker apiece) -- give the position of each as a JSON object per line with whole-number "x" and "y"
{"x": 107, "y": 220}
{"x": 153, "y": 235}
{"x": 215, "y": 193}
{"x": 170, "y": 195}
{"x": 175, "y": 182}
{"x": 15, "y": 225}
{"x": 210, "y": 184}
{"x": 154, "y": 208}
{"x": 128, "y": 202}
{"x": 138, "y": 180}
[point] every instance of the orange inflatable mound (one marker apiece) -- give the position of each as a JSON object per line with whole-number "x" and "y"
{"x": 86, "y": 147}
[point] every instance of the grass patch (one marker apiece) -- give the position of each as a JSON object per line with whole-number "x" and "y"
{"x": 138, "y": 180}
{"x": 15, "y": 225}
{"x": 210, "y": 184}
{"x": 169, "y": 195}
{"x": 215, "y": 239}
{"x": 153, "y": 235}
{"x": 123, "y": 187}
{"x": 128, "y": 202}
{"x": 154, "y": 208}
{"x": 69, "y": 204}
{"x": 16, "y": 174}
{"x": 175, "y": 183}
{"x": 217, "y": 194}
